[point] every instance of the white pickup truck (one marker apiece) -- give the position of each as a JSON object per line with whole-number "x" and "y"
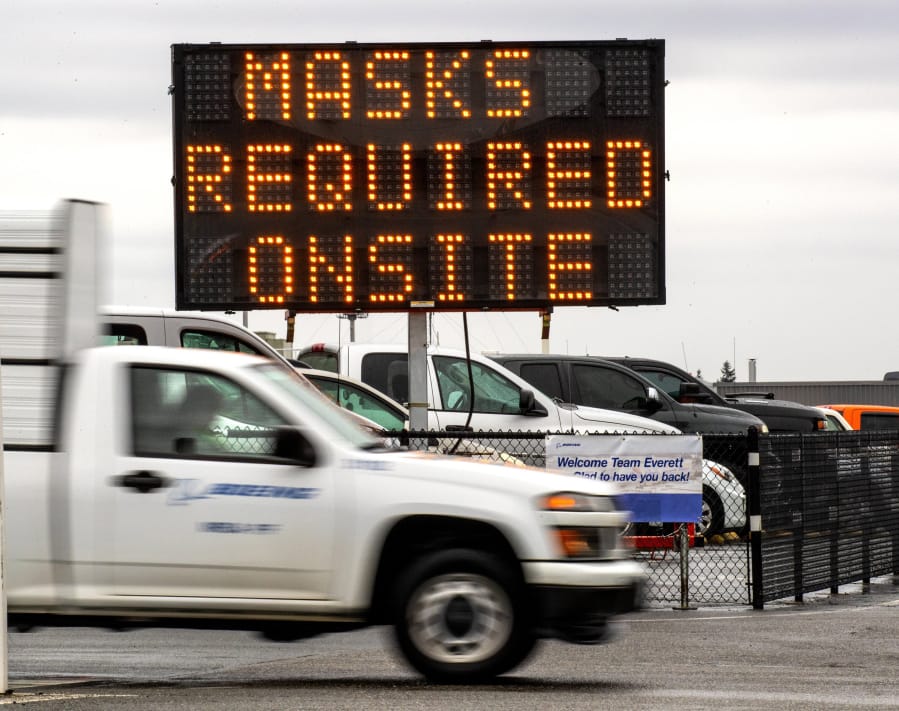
{"x": 180, "y": 487}
{"x": 188, "y": 487}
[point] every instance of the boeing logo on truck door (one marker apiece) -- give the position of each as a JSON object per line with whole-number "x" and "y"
{"x": 238, "y": 527}
{"x": 186, "y": 490}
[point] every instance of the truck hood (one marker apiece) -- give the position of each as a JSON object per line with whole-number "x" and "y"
{"x": 474, "y": 474}
{"x": 727, "y": 419}
{"x": 595, "y": 419}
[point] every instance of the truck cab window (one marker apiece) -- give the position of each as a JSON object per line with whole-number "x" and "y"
{"x": 545, "y": 378}
{"x": 178, "y": 413}
{"x": 215, "y": 341}
{"x": 610, "y": 389}
{"x": 387, "y": 372}
{"x": 664, "y": 381}
{"x": 879, "y": 421}
{"x": 123, "y": 334}
{"x": 320, "y": 360}
{"x": 493, "y": 392}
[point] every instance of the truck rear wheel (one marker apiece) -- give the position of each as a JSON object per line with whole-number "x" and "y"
{"x": 461, "y": 616}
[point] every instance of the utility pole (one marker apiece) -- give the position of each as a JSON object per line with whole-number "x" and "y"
{"x": 418, "y": 371}
{"x": 290, "y": 317}
{"x": 352, "y": 319}
{"x": 546, "y": 317}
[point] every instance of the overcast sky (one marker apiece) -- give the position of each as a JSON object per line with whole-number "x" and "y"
{"x": 782, "y": 141}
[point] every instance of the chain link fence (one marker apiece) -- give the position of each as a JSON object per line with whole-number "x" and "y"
{"x": 717, "y": 554}
{"x": 715, "y": 567}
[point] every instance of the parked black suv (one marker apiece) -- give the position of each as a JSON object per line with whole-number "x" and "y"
{"x": 594, "y": 382}
{"x": 778, "y": 415}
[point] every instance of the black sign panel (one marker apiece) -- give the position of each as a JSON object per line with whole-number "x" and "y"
{"x": 440, "y": 176}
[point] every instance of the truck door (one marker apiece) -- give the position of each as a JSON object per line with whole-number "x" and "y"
{"x": 197, "y": 507}
{"x": 497, "y": 399}
{"x": 596, "y": 385}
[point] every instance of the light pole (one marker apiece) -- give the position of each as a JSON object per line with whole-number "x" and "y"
{"x": 352, "y": 319}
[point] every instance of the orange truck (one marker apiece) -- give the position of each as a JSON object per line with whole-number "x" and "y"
{"x": 869, "y": 417}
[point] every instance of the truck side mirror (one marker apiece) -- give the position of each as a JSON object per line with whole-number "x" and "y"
{"x": 527, "y": 405}
{"x": 292, "y": 444}
{"x": 653, "y": 401}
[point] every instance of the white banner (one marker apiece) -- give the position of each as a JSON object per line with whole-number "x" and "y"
{"x": 658, "y": 477}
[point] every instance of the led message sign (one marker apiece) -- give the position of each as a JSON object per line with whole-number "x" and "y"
{"x": 444, "y": 176}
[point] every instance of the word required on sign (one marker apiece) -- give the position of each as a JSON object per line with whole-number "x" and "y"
{"x": 449, "y": 176}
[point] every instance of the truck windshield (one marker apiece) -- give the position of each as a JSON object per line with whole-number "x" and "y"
{"x": 303, "y": 392}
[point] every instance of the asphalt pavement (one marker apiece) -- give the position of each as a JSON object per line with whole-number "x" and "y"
{"x": 828, "y": 652}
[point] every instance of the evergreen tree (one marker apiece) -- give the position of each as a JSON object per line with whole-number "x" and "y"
{"x": 728, "y": 374}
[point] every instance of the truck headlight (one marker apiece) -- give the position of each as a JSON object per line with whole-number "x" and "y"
{"x": 569, "y": 501}
{"x": 585, "y": 542}
{"x": 583, "y": 526}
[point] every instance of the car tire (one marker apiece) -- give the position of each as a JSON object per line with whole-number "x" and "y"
{"x": 462, "y": 616}
{"x": 711, "y": 520}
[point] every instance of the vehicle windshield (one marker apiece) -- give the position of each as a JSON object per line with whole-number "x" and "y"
{"x": 493, "y": 392}
{"x": 363, "y": 403}
{"x": 833, "y": 424}
{"x": 303, "y": 392}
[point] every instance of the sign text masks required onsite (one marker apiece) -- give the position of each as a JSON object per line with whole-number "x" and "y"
{"x": 362, "y": 177}
{"x": 658, "y": 478}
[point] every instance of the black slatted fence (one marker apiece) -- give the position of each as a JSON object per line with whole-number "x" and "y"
{"x": 829, "y": 509}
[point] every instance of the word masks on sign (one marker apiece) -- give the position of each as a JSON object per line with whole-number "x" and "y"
{"x": 658, "y": 478}
{"x": 373, "y": 177}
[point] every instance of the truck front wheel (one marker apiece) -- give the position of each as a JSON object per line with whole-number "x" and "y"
{"x": 461, "y": 616}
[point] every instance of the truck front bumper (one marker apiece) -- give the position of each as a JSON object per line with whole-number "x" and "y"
{"x": 576, "y": 601}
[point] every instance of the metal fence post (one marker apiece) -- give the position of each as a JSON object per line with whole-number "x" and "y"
{"x": 683, "y": 542}
{"x": 753, "y": 469}
{"x": 866, "y": 522}
{"x": 894, "y": 466}
{"x": 834, "y": 535}
{"x": 799, "y": 522}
